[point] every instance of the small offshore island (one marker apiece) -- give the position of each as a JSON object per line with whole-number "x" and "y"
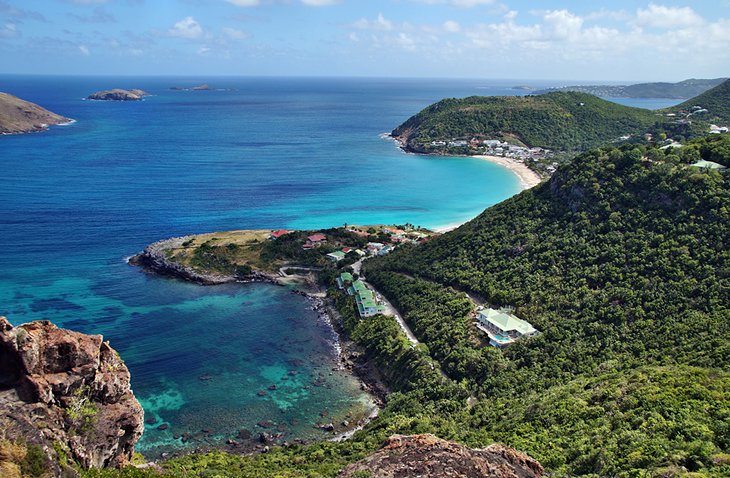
{"x": 118, "y": 94}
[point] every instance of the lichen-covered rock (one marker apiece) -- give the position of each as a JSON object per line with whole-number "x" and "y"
{"x": 68, "y": 392}
{"x": 427, "y": 456}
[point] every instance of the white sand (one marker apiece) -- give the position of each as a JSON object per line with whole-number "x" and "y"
{"x": 528, "y": 177}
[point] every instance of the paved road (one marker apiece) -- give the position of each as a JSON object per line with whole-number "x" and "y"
{"x": 357, "y": 267}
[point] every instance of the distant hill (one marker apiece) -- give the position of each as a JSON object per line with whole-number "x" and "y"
{"x": 716, "y": 101}
{"x": 20, "y": 116}
{"x": 680, "y": 90}
{"x": 567, "y": 121}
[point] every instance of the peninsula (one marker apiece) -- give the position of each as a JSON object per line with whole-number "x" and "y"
{"x": 118, "y": 94}
{"x": 680, "y": 90}
{"x": 20, "y": 116}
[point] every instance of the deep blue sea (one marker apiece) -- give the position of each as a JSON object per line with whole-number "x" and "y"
{"x": 75, "y": 201}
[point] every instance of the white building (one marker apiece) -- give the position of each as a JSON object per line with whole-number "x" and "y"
{"x": 503, "y": 327}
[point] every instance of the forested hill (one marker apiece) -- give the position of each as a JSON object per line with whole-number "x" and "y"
{"x": 681, "y": 90}
{"x": 623, "y": 254}
{"x": 716, "y": 101}
{"x": 566, "y": 121}
{"x": 622, "y": 261}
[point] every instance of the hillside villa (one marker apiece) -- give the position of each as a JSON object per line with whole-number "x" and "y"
{"x": 503, "y": 327}
{"x": 367, "y": 303}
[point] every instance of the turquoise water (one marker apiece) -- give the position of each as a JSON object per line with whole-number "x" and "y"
{"x": 257, "y": 153}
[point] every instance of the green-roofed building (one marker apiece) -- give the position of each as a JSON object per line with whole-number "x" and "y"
{"x": 708, "y": 165}
{"x": 336, "y": 256}
{"x": 367, "y": 305}
{"x": 503, "y": 327}
{"x": 344, "y": 279}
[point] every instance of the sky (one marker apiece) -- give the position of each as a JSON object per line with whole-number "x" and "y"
{"x": 598, "y": 40}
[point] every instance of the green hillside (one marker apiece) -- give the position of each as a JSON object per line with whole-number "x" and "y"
{"x": 621, "y": 261}
{"x": 566, "y": 121}
{"x": 681, "y": 90}
{"x": 716, "y": 101}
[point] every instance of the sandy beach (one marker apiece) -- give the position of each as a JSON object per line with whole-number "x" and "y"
{"x": 528, "y": 177}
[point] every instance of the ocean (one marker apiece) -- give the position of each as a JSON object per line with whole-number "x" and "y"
{"x": 77, "y": 200}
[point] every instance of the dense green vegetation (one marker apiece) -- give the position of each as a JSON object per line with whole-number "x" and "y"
{"x": 621, "y": 260}
{"x": 716, "y": 101}
{"x": 566, "y": 121}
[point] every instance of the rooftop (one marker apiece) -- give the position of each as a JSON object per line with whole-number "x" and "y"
{"x": 507, "y": 321}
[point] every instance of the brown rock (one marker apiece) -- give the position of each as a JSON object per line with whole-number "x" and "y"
{"x": 427, "y": 456}
{"x": 62, "y": 386}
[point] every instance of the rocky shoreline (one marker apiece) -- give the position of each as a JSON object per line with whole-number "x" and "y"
{"x": 153, "y": 259}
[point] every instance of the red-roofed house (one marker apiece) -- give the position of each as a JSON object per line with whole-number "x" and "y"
{"x": 319, "y": 237}
{"x": 278, "y": 234}
{"x": 346, "y": 249}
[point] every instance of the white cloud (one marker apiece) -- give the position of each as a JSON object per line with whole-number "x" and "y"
{"x": 562, "y": 24}
{"x": 187, "y": 28}
{"x": 380, "y": 23}
{"x": 320, "y": 3}
{"x": 235, "y": 34}
{"x": 203, "y": 50}
{"x": 8, "y": 31}
{"x": 660, "y": 16}
{"x": 84, "y": 50}
{"x": 458, "y": 3}
{"x": 451, "y": 26}
{"x": 245, "y": 3}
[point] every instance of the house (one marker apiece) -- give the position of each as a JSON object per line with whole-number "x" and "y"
{"x": 503, "y": 327}
{"x": 374, "y": 247}
{"x": 367, "y": 306}
{"x": 343, "y": 280}
{"x": 385, "y": 250}
{"x": 277, "y": 234}
{"x": 458, "y": 144}
{"x": 708, "y": 165}
{"x": 336, "y": 256}
{"x": 360, "y": 252}
{"x": 346, "y": 249}
{"x": 315, "y": 238}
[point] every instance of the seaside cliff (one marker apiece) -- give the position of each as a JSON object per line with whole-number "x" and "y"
{"x": 20, "y": 116}
{"x": 67, "y": 394}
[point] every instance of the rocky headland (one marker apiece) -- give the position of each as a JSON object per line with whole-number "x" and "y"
{"x": 428, "y": 456}
{"x": 118, "y": 94}
{"x": 67, "y": 394}
{"x": 155, "y": 258}
{"x": 20, "y": 116}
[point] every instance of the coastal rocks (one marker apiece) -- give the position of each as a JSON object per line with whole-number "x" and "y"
{"x": 428, "y": 456}
{"x": 68, "y": 391}
{"x": 154, "y": 258}
{"x": 118, "y": 94}
{"x": 20, "y": 116}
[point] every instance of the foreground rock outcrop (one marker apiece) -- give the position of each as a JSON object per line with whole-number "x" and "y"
{"x": 68, "y": 393}
{"x": 427, "y": 456}
{"x": 118, "y": 94}
{"x": 20, "y": 116}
